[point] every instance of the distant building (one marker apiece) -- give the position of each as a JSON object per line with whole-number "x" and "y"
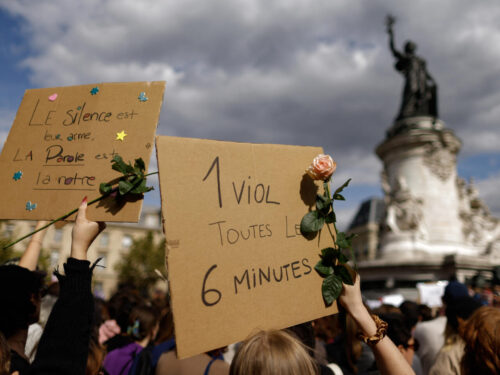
{"x": 111, "y": 245}
{"x": 366, "y": 225}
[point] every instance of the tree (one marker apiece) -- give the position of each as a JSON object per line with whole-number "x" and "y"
{"x": 5, "y": 239}
{"x": 10, "y": 254}
{"x": 139, "y": 265}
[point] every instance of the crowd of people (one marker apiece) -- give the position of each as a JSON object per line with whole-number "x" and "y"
{"x": 69, "y": 331}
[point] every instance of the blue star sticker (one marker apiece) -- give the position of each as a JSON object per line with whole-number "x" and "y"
{"x": 95, "y": 90}
{"x": 30, "y": 206}
{"x": 17, "y": 176}
{"x": 143, "y": 97}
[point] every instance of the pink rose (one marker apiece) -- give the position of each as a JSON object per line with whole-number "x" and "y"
{"x": 322, "y": 167}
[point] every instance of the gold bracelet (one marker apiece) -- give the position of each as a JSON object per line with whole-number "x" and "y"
{"x": 379, "y": 335}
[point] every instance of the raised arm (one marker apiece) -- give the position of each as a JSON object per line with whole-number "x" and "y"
{"x": 63, "y": 348}
{"x": 389, "y": 359}
{"x": 389, "y": 22}
{"x": 84, "y": 232}
{"x": 30, "y": 257}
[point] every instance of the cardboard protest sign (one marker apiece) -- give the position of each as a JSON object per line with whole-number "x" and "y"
{"x": 236, "y": 259}
{"x": 61, "y": 144}
{"x": 431, "y": 293}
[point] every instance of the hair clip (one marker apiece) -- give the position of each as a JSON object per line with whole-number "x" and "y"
{"x": 134, "y": 330}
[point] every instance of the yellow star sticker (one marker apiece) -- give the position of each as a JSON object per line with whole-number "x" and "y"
{"x": 121, "y": 135}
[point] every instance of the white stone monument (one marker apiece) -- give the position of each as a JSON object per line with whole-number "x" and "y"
{"x": 435, "y": 226}
{"x": 430, "y": 211}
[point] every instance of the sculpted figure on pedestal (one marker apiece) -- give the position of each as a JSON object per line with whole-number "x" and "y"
{"x": 480, "y": 228}
{"x": 420, "y": 89}
{"x": 403, "y": 211}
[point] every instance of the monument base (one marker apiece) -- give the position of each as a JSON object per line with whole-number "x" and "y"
{"x": 396, "y": 273}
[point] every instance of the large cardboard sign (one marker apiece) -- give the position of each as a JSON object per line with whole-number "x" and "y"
{"x": 60, "y": 147}
{"x": 236, "y": 259}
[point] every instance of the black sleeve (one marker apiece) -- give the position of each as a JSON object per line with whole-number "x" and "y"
{"x": 64, "y": 345}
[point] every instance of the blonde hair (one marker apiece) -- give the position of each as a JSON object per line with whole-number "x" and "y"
{"x": 482, "y": 342}
{"x": 272, "y": 353}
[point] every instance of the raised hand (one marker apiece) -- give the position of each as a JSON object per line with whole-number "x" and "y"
{"x": 84, "y": 232}
{"x": 389, "y": 21}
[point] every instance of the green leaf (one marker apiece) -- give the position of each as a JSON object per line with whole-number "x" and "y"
{"x": 342, "y": 258}
{"x": 124, "y": 187}
{"x": 341, "y": 240}
{"x": 338, "y": 197}
{"x": 117, "y": 159}
{"x": 139, "y": 163}
{"x": 328, "y": 254}
{"x": 344, "y": 241}
{"x": 141, "y": 188}
{"x": 330, "y": 218}
{"x": 344, "y": 185}
{"x": 105, "y": 188}
{"x": 311, "y": 222}
{"x": 323, "y": 269}
{"x": 328, "y": 251}
{"x": 344, "y": 274}
{"x": 331, "y": 288}
{"x": 323, "y": 204}
{"x": 120, "y": 166}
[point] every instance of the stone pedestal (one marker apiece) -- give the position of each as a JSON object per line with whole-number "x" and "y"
{"x": 423, "y": 200}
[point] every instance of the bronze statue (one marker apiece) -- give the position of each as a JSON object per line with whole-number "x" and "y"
{"x": 420, "y": 90}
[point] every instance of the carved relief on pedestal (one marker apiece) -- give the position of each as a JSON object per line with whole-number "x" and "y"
{"x": 404, "y": 212}
{"x": 440, "y": 160}
{"x": 479, "y": 227}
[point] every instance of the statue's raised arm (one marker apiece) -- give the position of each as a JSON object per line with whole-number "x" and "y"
{"x": 389, "y": 21}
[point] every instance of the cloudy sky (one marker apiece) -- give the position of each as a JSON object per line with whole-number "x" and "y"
{"x": 297, "y": 72}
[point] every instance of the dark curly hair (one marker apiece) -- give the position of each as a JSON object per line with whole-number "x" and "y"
{"x": 18, "y": 287}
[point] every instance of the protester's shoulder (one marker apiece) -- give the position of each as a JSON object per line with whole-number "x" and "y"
{"x": 170, "y": 364}
{"x": 431, "y": 325}
{"x": 219, "y": 367}
{"x": 443, "y": 363}
{"x": 124, "y": 351}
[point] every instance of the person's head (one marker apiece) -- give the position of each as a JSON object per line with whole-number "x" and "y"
{"x": 20, "y": 292}
{"x": 410, "y": 47}
{"x": 410, "y": 312}
{"x": 454, "y": 290}
{"x": 401, "y": 336}
{"x": 120, "y": 306}
{"x": 166, "y": 326}
{"x": 424, "y": 313}
{"x": 386, "y": 309}
{"x": 482, "y": 342}
{"x": 459, "y": 310}
{"x": 272, "y": 352}
{"x": 143, "y": 323}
